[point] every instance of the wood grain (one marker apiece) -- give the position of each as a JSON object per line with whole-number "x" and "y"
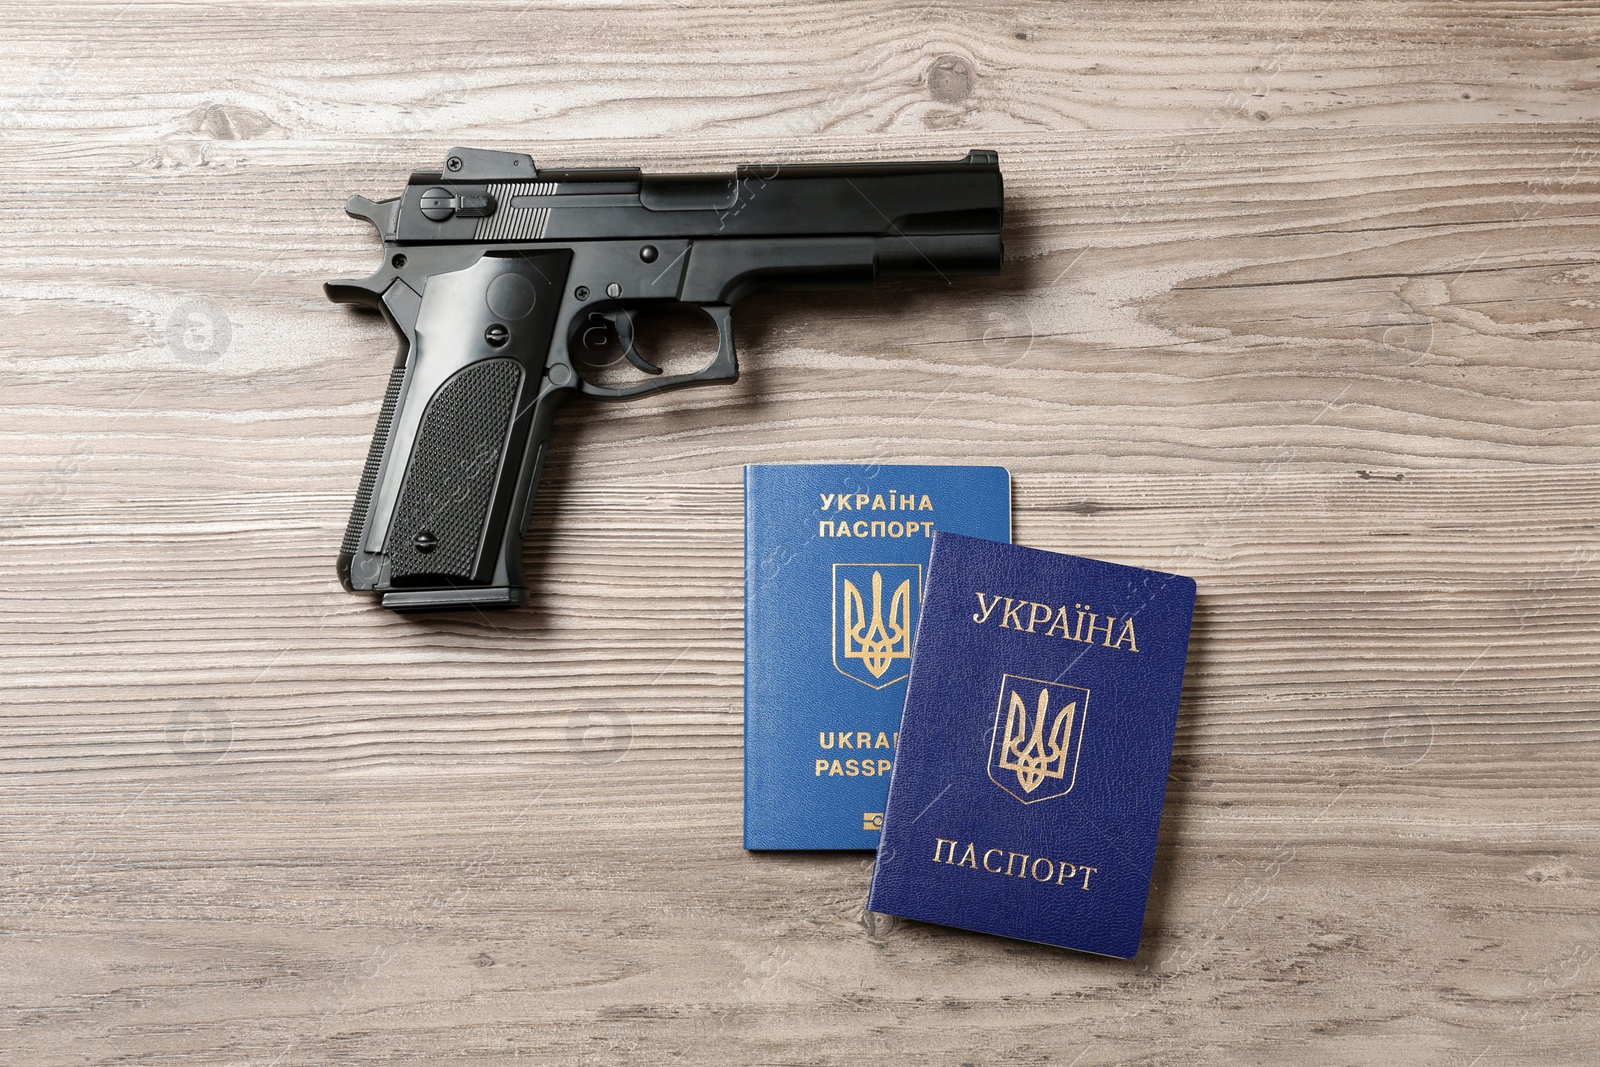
{"x": 1303, "y": 303}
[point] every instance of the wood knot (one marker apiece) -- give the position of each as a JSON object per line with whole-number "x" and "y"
{"x": 225, "y": 122}
{"x": 1548, "y": 872}
{"x": 950, "y": 79}
{"x": 877, "y": 925}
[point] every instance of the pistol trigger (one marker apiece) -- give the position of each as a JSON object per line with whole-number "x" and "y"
{"x": 622, "y": 322}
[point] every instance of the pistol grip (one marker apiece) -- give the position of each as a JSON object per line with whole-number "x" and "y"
{"x": 453, "y": 469}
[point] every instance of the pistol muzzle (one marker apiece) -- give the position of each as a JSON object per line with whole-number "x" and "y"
{"x": 940, "y": 254}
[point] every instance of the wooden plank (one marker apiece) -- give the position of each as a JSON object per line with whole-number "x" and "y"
{"x": 1304, "y": 306}
{"x": 775, "y": 72}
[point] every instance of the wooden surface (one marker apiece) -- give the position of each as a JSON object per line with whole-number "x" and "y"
{"x": 1302, "y": 299}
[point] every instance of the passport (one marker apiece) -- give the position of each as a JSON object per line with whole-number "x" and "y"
{"x": 1034, "y": 747}
{"x": 835, "y": 562}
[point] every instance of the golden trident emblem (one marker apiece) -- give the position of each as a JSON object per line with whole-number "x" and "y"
{"x": 872, "y": 641}
{"x": 1036, "y": 755}
{"x": 1037, "y": 744}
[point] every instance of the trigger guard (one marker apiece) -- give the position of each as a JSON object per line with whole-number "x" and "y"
{"x": 723, "y": 368}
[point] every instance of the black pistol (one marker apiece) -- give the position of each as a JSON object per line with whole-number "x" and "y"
{"x": 493, "y": 273}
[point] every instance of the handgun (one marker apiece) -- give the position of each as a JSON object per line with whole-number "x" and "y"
{"x": 494, "y": 272}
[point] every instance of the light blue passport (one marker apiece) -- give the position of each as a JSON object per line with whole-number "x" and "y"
{"x": 835, "y": 561}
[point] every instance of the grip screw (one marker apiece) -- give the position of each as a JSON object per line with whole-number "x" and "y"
{"x": 425, "y": 542}
{"x": 496, "y": 335}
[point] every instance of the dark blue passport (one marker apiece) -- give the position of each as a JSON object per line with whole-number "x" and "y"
{"x": 835, "y": 558}
{"x": 1034, "y": 747}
